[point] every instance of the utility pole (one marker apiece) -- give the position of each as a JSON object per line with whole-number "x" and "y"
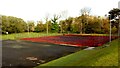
{"x": 110, "y": 28}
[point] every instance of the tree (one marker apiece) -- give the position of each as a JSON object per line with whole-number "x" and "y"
{"x": 10, "y": 24}
{"x": 78, "y": 24}
{"x": 31, "y": 26}
{"x": 55, "y": 25}
{"x": 105, "y": 25}
{"x": 69, "y": 22}
{"x": 114, "y": 30}
{"x": 84, "y": 15}
{"x": 113, "y": 14}
{"x": 66, "y": 25}
{"x": 62, "y": 26}
{"x": 5, "y": 24}
{"x": 64, "y": 15}
{"x": 40, "y": 27}
{"x": 50, "y": 25}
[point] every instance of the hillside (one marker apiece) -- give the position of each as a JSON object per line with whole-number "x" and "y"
{"x": 100, "y": 56}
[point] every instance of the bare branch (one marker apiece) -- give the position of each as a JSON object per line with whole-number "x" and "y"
{"x": 85, "y": 11}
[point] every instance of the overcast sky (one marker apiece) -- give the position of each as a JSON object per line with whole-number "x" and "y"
{"x": 38, "y": 9}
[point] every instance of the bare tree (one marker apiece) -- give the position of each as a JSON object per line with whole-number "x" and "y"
{"x": 64, "y": 15}
{"x": 85, "y": 11}
{"x": 84, "y": 15}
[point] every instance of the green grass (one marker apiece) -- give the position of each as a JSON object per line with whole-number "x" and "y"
{"x": 16, "y": 36}
{"x": 100, "y": 34}
{"x": 25, "y": 35}
{"x": 100, "y": 56}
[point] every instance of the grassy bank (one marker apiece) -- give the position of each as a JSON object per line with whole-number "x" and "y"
{"x": 25, "y": 35}
{"x": 33, "y": 34}
{"x": 100, "y": 56}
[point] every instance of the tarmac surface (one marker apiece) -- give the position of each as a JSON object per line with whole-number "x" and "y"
{"x": 26, "y": 54}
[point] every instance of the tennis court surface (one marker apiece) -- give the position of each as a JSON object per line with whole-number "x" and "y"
{"x": 74, "y": 40}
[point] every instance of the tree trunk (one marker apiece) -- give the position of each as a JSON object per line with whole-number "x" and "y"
{"x": 47, "y": 27}
{"x": 61, "y": 28}
{"x": 81, "y": 29}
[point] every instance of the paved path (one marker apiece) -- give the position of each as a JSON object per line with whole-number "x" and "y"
{"x": 23, "y": 53}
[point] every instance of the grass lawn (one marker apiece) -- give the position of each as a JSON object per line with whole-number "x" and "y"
{"x": 25, "y": 35}
{"x": 16, "y": 36}
{"x": 100, "y": 56}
